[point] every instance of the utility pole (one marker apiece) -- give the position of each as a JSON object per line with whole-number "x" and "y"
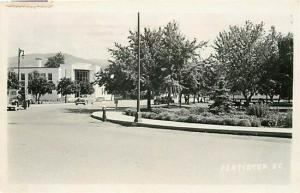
{"x": 23, "y": 93}
{"x": 138, "y": 110}
{"x": 19, "y": 57}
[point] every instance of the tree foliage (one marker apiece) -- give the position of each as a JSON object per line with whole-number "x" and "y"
{"x": 163, "y": 53}
{"x": 86, "y": 88}
{"x": 67, "y": 86}
{"x": 243, "y": 50}
{"x": 39, "y": 86}
{"x": 55, "y": 61}
{"x": 12, "y": 80}
{"x": 285, "y": 46}
{"x": 249, "y": 58}
{"x": 220, "y": 97}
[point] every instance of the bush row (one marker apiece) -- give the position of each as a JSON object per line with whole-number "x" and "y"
{"x": 272, "y": 119}
{"x": 192, "y": 118}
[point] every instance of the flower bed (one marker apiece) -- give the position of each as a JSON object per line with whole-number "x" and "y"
{"x": 201, "y": 115}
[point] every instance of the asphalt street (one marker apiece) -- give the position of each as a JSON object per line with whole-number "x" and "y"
{"x": 62, "y": 144}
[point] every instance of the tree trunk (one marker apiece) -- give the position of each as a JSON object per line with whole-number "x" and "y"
{"x": 169, "y": 97}
{"x": 194, "y": 99}
{"x": 188, "y": 99}
{"x": 180, "y": 96}
{"x": 39, "y": 96}
{"x": 36, "y": 98}
{"x": 65, "y": 98}
{"x": 271, "y": 97}
{"x": 148, "y": 98}
{"x": 248, "y": 99}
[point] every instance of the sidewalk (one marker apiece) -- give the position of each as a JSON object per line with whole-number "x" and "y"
{"x": 118, "y": 117}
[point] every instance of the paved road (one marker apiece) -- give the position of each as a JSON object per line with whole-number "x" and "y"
{"x": 54, "y": 144}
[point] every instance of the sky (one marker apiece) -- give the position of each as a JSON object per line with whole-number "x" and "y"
{"x": 88, "y": 29}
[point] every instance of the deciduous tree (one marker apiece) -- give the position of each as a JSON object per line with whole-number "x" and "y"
{"x": 86, "y": 88}
{"x": 67, "y": 86}
{"x": 39, "y": 86}
{"x": 12, "y": 80}
{"x": 243, "y": 50}
{"x": 55, "y": 61}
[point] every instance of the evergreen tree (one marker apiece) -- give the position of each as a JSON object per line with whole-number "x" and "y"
{"x": 221, "y": 98}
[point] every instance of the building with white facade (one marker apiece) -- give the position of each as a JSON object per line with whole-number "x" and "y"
{"x": 75, "y": 71}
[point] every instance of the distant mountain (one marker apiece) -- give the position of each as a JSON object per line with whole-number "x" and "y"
{"x": 29, "y": 60}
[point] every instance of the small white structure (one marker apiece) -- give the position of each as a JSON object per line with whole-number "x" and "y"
{"x": 75, "y": 71}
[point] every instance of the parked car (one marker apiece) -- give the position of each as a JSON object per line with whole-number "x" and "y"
{"x": 99, "y": 99}
{"x": 80, "y": 100}
{"x": 12, "y": 99}
{"x": 71, "y": 99}
{"x": 15, "y": 99}
{"x": 162, "y": 100}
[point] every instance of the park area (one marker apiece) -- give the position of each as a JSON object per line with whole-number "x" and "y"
{"x": 247, "y": 80}
{"x": 256, "y": 115}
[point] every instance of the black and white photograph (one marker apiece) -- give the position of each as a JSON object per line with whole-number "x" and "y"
{"x": 149, "y": 96}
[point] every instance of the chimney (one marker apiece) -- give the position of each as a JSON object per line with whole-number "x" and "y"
{"x": 39, "y": 62}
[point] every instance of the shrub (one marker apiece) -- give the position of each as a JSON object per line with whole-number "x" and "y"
{"x": 259, "y": 110}
{"x": 157, "y": 110}
{"x": 203, "y": 120}
{"x": 274, "y": 120}
{"x": 153, "y": 116}
{"x": 182, "y": 112}
{"x": 192, "y": 118}
{"x": 255, "y": 123}
{"x": 215, "y": 121}
{"x": 161, "y": 116}
{"x": 181, "y": 118}
{"x": 231, "y": 121}
{"x": 207, "y": 114}
{"x": 130, "y": 111}
{"x": 169, "y": 117}
{"x": 244, "y": 123}
{"x": 147, "y": 115}
{"x": 289, "y": 119}
{"x": 237, "y": 112}
{"x": 197, "y": 110}
{"x": 267, "y": 122}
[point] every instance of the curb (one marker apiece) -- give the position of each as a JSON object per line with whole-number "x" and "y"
{"x": 287, "y": 134}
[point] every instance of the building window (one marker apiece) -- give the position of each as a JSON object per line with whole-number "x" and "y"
{"x": 30, "y": 76}
{"x": 82, "y": 75}
{"x": 50, "y": 76}
{"x": 22, "y": 76}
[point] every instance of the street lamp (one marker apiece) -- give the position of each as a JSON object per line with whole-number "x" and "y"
{"x": 138, "y": 112}
{"x": 21, "y": 53}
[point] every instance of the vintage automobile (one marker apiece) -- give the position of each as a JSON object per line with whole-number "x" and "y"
{"x": 81, "y": 100}
{"x": 13, "y": 99}
{"x": 162, "y": 100}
